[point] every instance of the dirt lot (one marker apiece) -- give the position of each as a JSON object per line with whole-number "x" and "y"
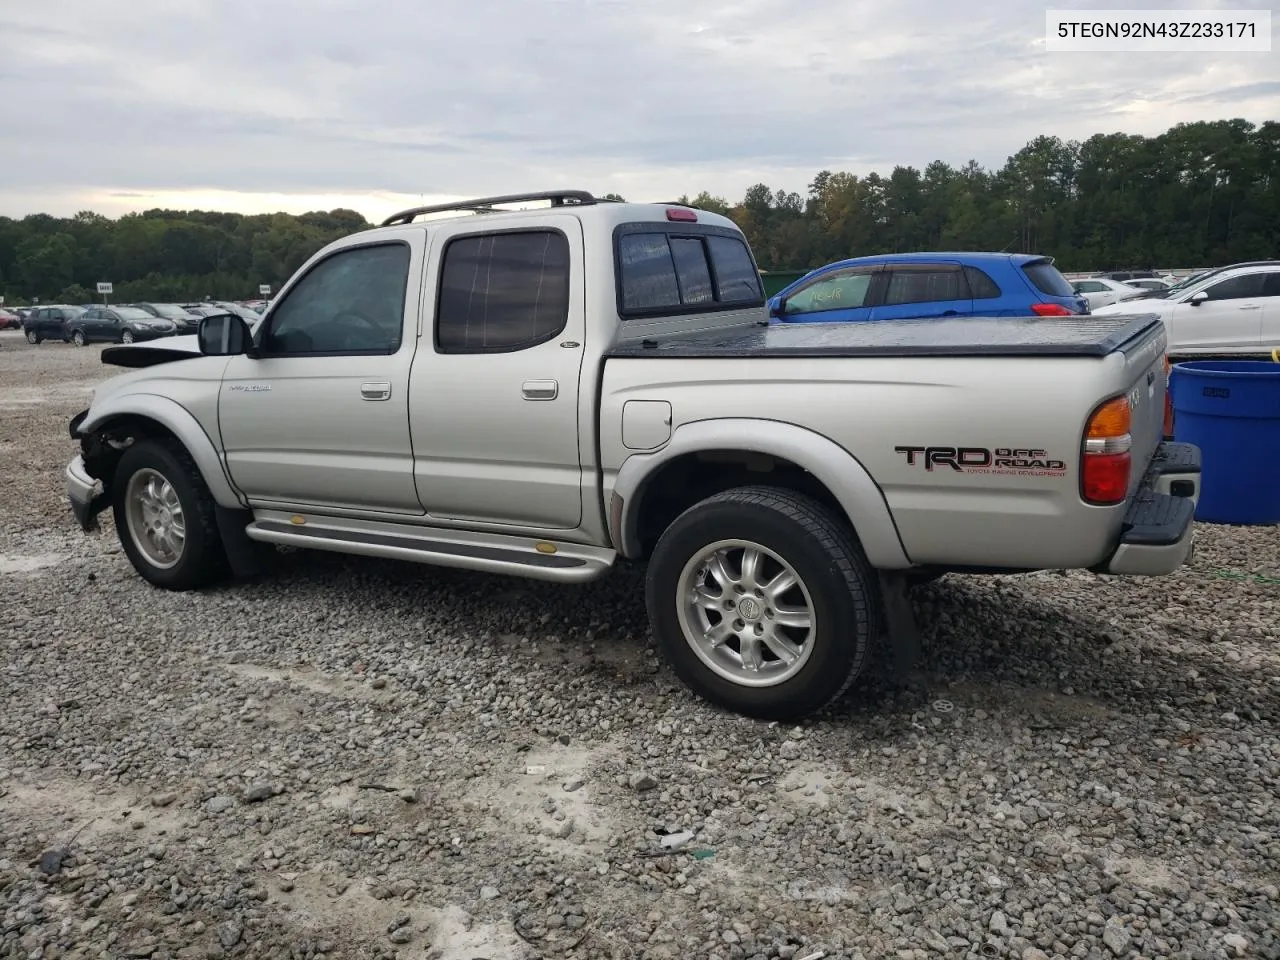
{"x": 357, "y": 758}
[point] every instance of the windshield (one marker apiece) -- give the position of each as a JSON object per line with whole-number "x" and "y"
{"x": 133, "y": 313}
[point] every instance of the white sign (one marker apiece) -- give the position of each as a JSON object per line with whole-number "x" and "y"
{"x": 1, "y": 301}
{"x": 105, "y": 288}
{"x": 265, "y": 289}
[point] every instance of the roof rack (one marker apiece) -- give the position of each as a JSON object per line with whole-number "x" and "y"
{"x": 558, "y": 198}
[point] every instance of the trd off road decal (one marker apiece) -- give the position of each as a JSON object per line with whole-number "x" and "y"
{"x": 1018, "y": 461}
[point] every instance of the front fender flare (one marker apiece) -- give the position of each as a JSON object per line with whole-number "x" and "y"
{"x": 178, "y": 421}
{"x": 837, "y": 469}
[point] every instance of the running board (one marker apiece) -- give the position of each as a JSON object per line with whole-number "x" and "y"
{"x": 517, "y": 556}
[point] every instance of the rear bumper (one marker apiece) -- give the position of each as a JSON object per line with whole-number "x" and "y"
{"x": 85, "y": 493}
{"x": 1158, "y": 533}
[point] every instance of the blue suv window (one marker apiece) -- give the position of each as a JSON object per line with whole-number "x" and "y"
{"x": 838, "y": 290}
{"x": 1046, "y": 278}
{"x": 981, "y": 286}
{"x": 923, "y": 284}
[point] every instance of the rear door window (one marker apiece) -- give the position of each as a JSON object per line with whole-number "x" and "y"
{"x": 1046, "y": 278}
{"x": 1272, "y": 286}
{"x": 923, "y": 285}
{"x": 503, "y": 292}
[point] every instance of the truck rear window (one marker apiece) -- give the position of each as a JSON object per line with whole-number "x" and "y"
{"x": 668, "y": 271}
{"x": 1047, "y": 279}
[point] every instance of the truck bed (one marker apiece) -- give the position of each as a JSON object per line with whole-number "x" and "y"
{"x": 935, "y": 336}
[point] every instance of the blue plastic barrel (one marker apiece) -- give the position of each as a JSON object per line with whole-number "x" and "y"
{"x": 1230, "y": 409}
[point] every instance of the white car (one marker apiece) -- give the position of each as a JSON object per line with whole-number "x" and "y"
{"x": 1235, "y": 310}
{"x": 1150, "y": 283}
{"x": 1102, "y": 291}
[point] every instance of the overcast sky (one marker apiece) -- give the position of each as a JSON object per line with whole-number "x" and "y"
{"x": 254, "y": 105}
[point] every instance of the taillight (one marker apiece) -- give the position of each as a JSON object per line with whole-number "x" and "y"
{"x": 1050, "y": 310}
{"x": 1105, "y": 461}
{"x": 1168, "y": 398}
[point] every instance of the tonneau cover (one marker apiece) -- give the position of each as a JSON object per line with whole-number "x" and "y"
{"x": 1077, "y": 336}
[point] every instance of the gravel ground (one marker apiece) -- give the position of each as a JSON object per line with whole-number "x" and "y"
{"x": 355, "y": 758}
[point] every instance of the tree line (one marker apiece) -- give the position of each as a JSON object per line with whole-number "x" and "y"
{"x": 1198, "y": 194}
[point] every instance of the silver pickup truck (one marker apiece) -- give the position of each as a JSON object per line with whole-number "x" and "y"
{"x": 542, "y": 391}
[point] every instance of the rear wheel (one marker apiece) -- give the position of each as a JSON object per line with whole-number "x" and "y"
{"x": 33, "y": 337}
{"x": 762, "y": 602}
{"x": 78, "y": 338}
{"x": 164, "y": 516}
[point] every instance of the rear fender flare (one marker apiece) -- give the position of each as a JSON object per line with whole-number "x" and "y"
{"x": 838, "y": 470}
{"x": 177, "y": 420}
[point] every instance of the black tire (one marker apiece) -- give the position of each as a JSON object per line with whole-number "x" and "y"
{"x": 126, "y": 337}
{"x": 825, "y": 554}
{"x": 78, "y": 338}
{"x": 33, "y": 337}
{"x": 203, "y": 560}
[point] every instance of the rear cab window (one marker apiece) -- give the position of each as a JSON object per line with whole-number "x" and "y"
{"x": 678, "y": 268}
{"x": 1046, "y": 278}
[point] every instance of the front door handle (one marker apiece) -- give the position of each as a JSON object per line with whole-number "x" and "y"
{"x": 1252, "y": 306}
{"x": 540, "y": 389}
{"x": 375, "y": 391}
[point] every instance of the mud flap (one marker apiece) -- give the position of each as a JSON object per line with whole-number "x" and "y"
{"x": 246, "y": 557}
{"x": 902, "y": 633}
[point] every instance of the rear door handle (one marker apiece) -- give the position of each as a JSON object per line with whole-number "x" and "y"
{"x": 380, "y": 390}
{"x": 1252, "y": 306}
{"x": 540, "y": 389}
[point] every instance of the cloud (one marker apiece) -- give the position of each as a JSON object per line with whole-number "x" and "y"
{"x": 648, "y": 98}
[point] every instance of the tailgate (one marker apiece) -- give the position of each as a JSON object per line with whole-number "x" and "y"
{"x": 1146, "y": 384}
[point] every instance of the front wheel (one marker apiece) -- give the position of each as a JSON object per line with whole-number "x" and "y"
{"x": 164, "y": 516}
{"x": 126, "y": 337}
{"x": 78, "y": 338}
{"x": 763, "y": 602}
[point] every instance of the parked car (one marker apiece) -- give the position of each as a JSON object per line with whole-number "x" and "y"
{"x": 904, "y": 285}
{"x": 118, "y": 325}
{"x": 184, "y": 321}
{"x": 1232, "y": 310}
{"x": 9, "y": 320}
{"x": 1149, "y": 283}
{"x": 1101, "y": 291}
{"x": 239, "y": 309}
{"x": 202, "y": 309}
{"x": 565, "y": 386}
{"x": 1124, "y": 276}
{"x": 51, "y": 322}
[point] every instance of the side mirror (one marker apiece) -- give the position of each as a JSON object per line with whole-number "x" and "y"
{"x": 779, "y": 307}
{"x": 223, "y": 335}
{"x": 1198, "y": 298}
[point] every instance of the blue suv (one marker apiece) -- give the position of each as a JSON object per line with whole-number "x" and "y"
{"x": 895, "y": 286}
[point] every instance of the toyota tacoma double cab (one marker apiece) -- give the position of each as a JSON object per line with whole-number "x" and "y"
{"x": 541, "y": 391}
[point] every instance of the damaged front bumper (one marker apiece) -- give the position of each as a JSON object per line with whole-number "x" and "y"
{"x": 87, "y": 496}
